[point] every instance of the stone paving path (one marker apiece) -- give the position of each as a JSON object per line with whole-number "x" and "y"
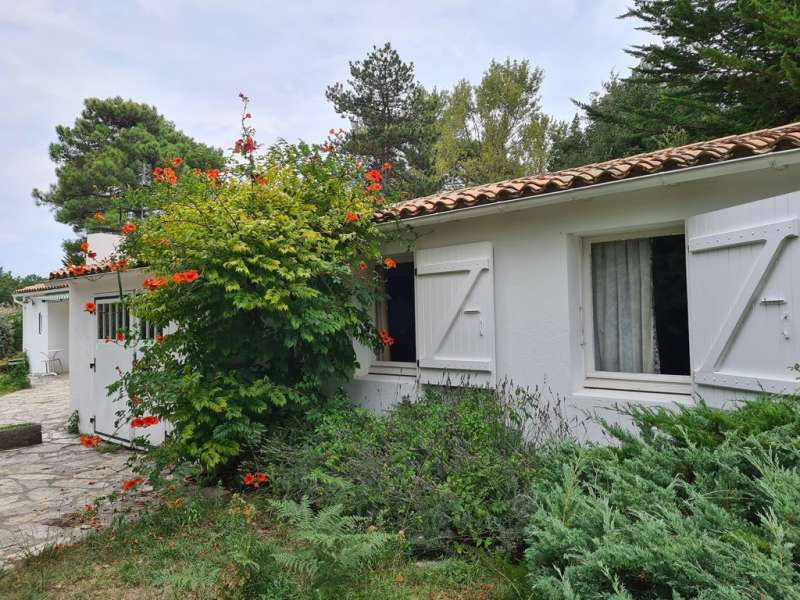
{"x": 45, "y": 488}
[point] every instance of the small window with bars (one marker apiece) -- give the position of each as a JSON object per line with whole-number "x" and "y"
{"x": 148, "y": 331}
{"x": 114, "y": 317}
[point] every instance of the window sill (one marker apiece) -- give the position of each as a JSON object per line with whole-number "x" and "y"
{"x": 398, "y": 369}
{"x": 611, "y": 397}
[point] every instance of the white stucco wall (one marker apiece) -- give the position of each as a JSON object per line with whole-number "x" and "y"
{"x": 536, "y": 276}
{"x": 35, "y": 343}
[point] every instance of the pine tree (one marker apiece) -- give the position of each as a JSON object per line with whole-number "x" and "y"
{"x": 113, "y": 145}
{"x": 392, "y": 118}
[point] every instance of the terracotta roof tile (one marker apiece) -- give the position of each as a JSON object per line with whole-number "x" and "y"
{"x": 42, "y": 286}
{"x": 95, "y": 269}
{"x": 754, "y": 143}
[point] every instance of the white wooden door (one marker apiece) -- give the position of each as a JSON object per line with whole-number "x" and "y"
{"x": 743, "y": 269}
{"x": 112, "y": 358}
{"x": 455, "y": 314}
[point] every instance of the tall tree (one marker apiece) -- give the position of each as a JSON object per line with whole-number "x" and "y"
{"x": 610, "y": 126}
{"x": 113, "y": 145}
{"x": 392, "y": 118}
{"x": 494, "y": 130}
{"x": 727, "y": 65}
{"x": 9, "y": 282}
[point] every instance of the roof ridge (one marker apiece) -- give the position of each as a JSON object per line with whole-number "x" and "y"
{"x": 674, "y": 157}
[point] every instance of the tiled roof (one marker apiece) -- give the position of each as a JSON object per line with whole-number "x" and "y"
{"x": 42, "y": 286}
{"x": 754, "y": 143}
{"x": 95, "y": 269}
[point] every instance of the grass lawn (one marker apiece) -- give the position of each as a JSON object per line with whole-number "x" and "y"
{"x": 199, "y": 547}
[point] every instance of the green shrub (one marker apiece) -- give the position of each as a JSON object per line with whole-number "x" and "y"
{"x": 451, "y": 470}
{"x": 258, "y": 271}
{"x": 327, "y": 550}
{"x": 702, "y": 503}
{"x": 7, "y": 346}
{"x": 14, "y": 377}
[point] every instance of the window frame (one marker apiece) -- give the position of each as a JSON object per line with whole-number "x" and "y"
{"x": 389, "y": 367}
{"x": 612, "y": 380}
{"x": 130, "y": 322}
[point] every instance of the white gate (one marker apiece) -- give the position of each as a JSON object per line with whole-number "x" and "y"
{"x": 112, "y": 358}
{"x": 743, "y": 269}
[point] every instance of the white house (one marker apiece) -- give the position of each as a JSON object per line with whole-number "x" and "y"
{"x": 644, "y": 279}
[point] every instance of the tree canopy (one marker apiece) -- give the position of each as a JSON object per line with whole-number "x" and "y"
{"x": 113, "y": 146}
{"x": 727, "y": 66}
{"x": 714, "y": 68}
{"x": 392, "y": 119}
{"x": 9, "y": 282}
{"x": 494, "y": 130}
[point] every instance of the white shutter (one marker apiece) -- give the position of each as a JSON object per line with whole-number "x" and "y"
{"x": 455, "y": 314}
{"x": 743, "y": 269}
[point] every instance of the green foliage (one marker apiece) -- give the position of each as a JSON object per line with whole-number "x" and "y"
{"x": 73, "y": 423}
{"x": 726, "y": 67}
{"x": 9, "y": 283}
{"x": 14, "y": 377}
{"x": 609, "y": 128}
{"x": 392, "y": 118}
{"x": 700, "y": 504}
{"x": 206, "y": 545}
{"x": 327, "y": 549}
{"x": 112, "y": 147}
{"x": 713, "y": 69}
{"x": 451, "y": 470}
{"x": 494, "y": 130}
{"x": 7, "y": 345}
{"x": 279, "y": 298}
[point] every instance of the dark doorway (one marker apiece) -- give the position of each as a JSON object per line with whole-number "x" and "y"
{"x": 400, "y": 309}
{"x": 671, "y": 304}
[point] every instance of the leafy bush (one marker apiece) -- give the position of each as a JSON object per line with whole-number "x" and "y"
{"x": 7, "y": 346}
{"x": 261, "y": 272}
{"x": 702, "y": 503}
{"x": 326, "y": 550}
{"x": 451, "y": 470}
{"x": 14, "y": 377}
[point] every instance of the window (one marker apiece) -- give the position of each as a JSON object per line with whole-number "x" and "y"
{"x": 395, "y": 315}
{"x": 40, "y": 323}
{"x": 113, "y": 317}
{"x": 636, "y": 322}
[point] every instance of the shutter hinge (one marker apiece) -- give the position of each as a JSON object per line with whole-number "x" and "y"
{"x": 415, "y": 271}
{"x": 93, "y": 365}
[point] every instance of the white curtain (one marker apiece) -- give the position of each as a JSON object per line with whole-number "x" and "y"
{"x": 624, "y": 315}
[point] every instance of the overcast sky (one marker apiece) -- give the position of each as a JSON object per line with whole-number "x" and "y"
{"x": 191, "y": 58}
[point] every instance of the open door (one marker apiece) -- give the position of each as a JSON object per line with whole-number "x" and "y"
{"x": 743, "y": 271}
{"x": 455, "y": 314}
